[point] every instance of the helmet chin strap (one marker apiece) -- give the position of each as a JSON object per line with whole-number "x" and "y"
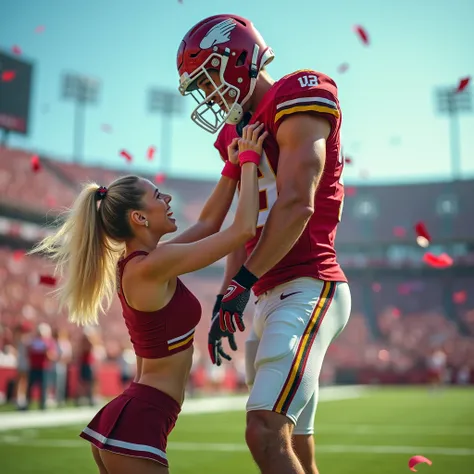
{"x": 237, "y": 111}
{"x": 235, "y": 114}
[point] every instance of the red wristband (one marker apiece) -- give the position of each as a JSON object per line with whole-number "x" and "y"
{"x": 231, "y": 171}
{"x": 249, "y": 156}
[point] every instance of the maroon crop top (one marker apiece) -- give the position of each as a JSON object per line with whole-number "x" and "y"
{"x": 166, "y": 331}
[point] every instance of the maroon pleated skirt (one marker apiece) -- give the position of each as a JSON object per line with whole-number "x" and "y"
{"x": 136, "y": 423}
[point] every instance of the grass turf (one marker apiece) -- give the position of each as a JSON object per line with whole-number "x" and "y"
{"x": 374, "y": 434}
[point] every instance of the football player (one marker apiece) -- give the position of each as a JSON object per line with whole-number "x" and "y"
{"x": 303, "y": 299}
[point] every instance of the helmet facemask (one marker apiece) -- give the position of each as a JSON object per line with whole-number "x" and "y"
{"x": 215, "y": 109}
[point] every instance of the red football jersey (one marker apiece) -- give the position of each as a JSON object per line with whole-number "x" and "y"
{"x": 313, "y": 255}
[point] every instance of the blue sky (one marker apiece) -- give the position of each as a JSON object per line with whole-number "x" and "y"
{"x": 391, "y": 128}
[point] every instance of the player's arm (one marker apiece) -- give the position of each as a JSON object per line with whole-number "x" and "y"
{"x": 302, "y": 142}
{"x": 233, "y": 262}
{"x": 213, "y": 213}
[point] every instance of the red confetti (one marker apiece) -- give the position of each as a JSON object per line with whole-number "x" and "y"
{"x": 16, "y": 49}
{"x": 459, "y": 297}
{"x": 126, "y": 155}
{"x": 347, "y": 160}
{"x": 35, "y": 163}
{"x": 47, "y": 280}
{"x": 399, "y": 231}
{"x": 350, "y": 191}
{"x": 376, "y": 287}
{"x": 105, "y": 127}
{"x": 51, "y": 201}
{"x": 8, "y": 76}
{"x": 463, "y": 83}
{"x": 160, "y": 178}
{"x": 414, "y": 460}
{"x": 39, "y": 29}
{"x": 18, "y": 255}
{"x": 151, "y": 152}
{"x": 396, "y": 313}
{"x": 362, "y": 33}
{"x": 404, "y": 289}
{"x": 343, "y": 68}
{"x": 437, "y": 261}
{"x": 423, "y": 237}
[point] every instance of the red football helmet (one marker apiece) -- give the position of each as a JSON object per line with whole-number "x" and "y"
{"x": 231, "y": 46}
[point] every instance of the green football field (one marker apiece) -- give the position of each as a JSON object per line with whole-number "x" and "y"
{"x": 374, "y": 434}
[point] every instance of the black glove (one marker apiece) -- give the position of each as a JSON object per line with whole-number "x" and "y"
{"x": 235, "y": 300}
{"x": 214, "y": 342}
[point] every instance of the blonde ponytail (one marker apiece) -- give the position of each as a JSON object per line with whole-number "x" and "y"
{"x": 87, "y": 245}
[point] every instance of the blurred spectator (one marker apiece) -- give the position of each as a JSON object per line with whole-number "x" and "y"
{"x": 437, "y": 368}
{"x": 59, "y": 368}
{"x": 463, "y": 376}
{"x": 41, "y": 352}
{"x": 21, "y": 335}
{"x": 7, "y": 356}
{"x": 127, "y": 365}
{"x": 86, "y": 366}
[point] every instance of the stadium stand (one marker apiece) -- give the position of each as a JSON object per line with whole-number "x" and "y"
{"x": 402, "y": 308}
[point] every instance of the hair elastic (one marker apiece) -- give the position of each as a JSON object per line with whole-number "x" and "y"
{"x": 101, "y": 193}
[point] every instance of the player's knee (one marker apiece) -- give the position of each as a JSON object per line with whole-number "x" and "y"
{"x": 264, "y": 437}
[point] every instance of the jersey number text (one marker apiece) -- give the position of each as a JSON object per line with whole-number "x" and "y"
{"x": 306, "y": 81}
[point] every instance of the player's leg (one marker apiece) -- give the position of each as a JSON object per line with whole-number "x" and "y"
{"x": 268, "y": 434}
{"x": 98, "y": 460}
{"x": 303, "y": 439}
{"x": 297, "y": 334}
{"x": 303, "y": 446}
{"x": 303, "y": 434}
{"x": 120, "y": 464}
{"x": 264, "y": 422}
{"x": 268, "y": 437}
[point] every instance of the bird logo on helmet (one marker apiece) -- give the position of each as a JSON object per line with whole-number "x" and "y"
{"x": 225, "y": 53}
{"x": 218, "y": 34}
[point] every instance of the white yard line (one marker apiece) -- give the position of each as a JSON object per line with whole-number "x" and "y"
{"x": 71, "y": 416}
{"x": 359, "y": 430}
{"x": 227, "y": 447}
{"x": 404, "y": 430}
{"x": 331, "y": 448}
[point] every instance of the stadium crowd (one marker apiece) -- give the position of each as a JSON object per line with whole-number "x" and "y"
{"x": 402, "y": 341}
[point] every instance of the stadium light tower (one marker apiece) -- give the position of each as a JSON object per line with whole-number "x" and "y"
{"x": 83, "y": 90}
{"x": 451, "y": 103}
{"x": 167, "y": 103}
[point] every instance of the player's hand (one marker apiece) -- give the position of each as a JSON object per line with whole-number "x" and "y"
{"x": 233, "y": 151}
{"x": 216, "y": 352}
{"x": 252, "y": 138}
{"x": 231, "y": 314}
